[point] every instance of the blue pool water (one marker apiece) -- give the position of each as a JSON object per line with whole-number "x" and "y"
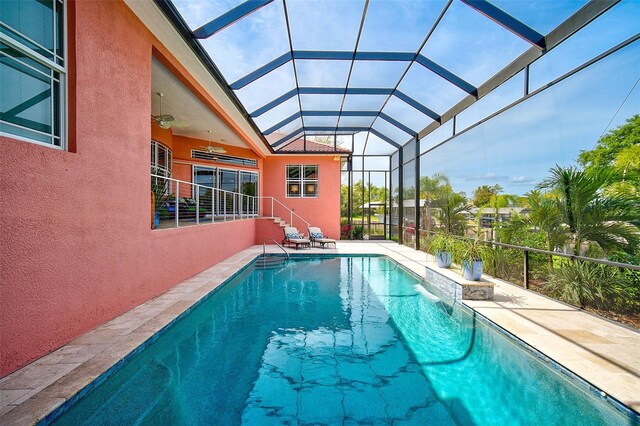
{"x": 344, "y": 340}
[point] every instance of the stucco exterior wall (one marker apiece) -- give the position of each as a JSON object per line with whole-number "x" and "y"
{"x": 323, "y": 211}
{"x": 76, "y": 244}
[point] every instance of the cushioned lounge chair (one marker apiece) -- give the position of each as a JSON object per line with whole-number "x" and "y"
{"x": 316, "y": 236}
{"x": 292, "y": 236}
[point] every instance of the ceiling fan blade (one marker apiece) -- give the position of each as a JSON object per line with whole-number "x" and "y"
{"x": 178, "y": 123}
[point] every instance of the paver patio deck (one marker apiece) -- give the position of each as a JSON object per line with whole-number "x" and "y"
{"x": 603, "y": 353}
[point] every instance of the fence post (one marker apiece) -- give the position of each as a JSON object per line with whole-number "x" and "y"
{"x": 213, "y": 205}
{"x": 291, "y": 222}
{"x": 197, "y": 205}
{"x": 272, "y": 214}
{"x": 526, "y": 270}
{"x": 177, "y": 203}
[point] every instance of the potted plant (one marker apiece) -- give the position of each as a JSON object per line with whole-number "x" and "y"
{"x": 471, "y": 254}
{"x": 442, "y": 246}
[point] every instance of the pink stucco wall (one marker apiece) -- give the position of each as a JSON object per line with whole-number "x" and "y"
{"x": 75, "y": 241}
{"x": 323, "y": 211}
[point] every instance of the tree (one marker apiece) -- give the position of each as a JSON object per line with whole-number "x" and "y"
{"x": 610, "y": 145}
{"x": 482, "y": 194}
{"x": 619, "y": 149}
{"x": 431, "y": 188}
{"x": 451, "y": 206}
{"x": 544, "y": 217}
{"x": 610, "y": 221}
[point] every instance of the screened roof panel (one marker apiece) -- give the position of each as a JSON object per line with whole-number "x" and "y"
{"x": 406, "y": 114}
{"x": 321, "y": 102}
{"x": 278, "y": 137}
{"x": 312, "y": 121}
{"x": 249, "y": 43}
{"x": 277, "y": 114}
{"x": 541, "y": 15}
{"x": 380, "y": 31}
{"x": 384, "y": 74}
{"x": 359, "y": 140}
{"x": 364, "y": 102}
{"x": 471, "y": 45}
{"x": 318, "y": 73}
{"x": 253, "y": 47}
{"x": 267, "y": 88}
{"x": 348, "y": 121}
{"x": 324, "y": 24}
{"x": 376, "y": 146}
{"x": 290, "y": 127}
{"x": 197, "y": 14}
{"x": 430, "y": 89}
{"x": 391, "y": 131}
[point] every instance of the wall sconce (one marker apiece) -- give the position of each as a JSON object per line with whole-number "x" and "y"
{"x": 337, "y": 158}
{"x": 294, "y": 188}
{"x": 311, "y": 189}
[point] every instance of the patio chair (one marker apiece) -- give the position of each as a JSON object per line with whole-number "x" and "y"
{"x": 292, "y": 236}
{"x": 316, "y": 236}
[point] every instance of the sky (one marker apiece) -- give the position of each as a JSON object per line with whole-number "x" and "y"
{"x": 515, "y": 149}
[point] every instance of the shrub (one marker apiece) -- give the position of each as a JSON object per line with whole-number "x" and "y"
{"x": 589, "y": 284}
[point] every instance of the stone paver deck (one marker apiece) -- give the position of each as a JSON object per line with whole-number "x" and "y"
{"x": 601, "y": 352}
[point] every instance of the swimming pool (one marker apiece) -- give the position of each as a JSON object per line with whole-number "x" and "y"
{"x": 333, "y": 340}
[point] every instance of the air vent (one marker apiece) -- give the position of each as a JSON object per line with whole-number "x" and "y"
{"x": 220, "y": 158}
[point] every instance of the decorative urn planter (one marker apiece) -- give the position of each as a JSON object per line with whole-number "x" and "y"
{"x": 443, "y": 258}
{"x": 472, "y": 270}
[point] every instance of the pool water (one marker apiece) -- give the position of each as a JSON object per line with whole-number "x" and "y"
{"x": 342, "y": 340}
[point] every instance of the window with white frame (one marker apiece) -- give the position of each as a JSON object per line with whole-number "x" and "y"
{"x": 32, "y": 71}
{"x": 302, "y": 181}
{"x": 160, "y": 159}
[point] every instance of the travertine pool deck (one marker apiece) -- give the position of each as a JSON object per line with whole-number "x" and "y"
{"x": 603, "y": 353}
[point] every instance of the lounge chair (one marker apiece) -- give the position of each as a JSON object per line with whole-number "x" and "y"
{"x": 290, "y": 234}
{"x": 316, "y": 236}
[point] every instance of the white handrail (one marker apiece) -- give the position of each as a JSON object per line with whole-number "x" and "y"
{"x": 242, "y": 205}
{"x": 291, "y": 211}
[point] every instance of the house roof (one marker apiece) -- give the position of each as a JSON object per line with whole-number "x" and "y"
{"x": 312, "y": 146}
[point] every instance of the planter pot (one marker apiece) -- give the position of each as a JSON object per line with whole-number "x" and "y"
{"x": 156, "y": 220}
{"x": 443, "y": 258}
{"x": 472, "y": 269}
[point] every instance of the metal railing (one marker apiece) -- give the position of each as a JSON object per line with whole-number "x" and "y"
{"x": 178, "y": 203}
{"x": 605, "y": 287}
{"x": 272, "y": 207}
{"x": 526, "y": 250}
{"x": 264, "y": 247}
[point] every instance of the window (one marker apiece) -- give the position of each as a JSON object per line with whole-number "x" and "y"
{"x": 32, "y": 71}
{"x": 302, "y": 181}
{"x": 160, "y": 159}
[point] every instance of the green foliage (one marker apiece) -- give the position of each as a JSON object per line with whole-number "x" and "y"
{"x": 442, "y": 242}
{"x": 472, "y": 250}
{"x": 588, "y": 284}
{"x": 611, "y": 145}
{"x": 357, "y": 232}
{"x": 451, "y": 207}
{"x": 482, "y": 194}
{"x": 610, "y": 222}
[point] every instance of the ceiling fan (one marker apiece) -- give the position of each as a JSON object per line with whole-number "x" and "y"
{"x": 166, "y": 121}
{"x": 213, "y": 149}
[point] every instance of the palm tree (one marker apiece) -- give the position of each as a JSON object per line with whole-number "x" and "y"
{"x": 451, "y": 207}
{"x": 611, "y": 222}
{"x": 430, "y": 189}
{"x": 544, "y": 217}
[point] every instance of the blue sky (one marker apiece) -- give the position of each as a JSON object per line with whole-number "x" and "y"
{"x": 515, "y": 149}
